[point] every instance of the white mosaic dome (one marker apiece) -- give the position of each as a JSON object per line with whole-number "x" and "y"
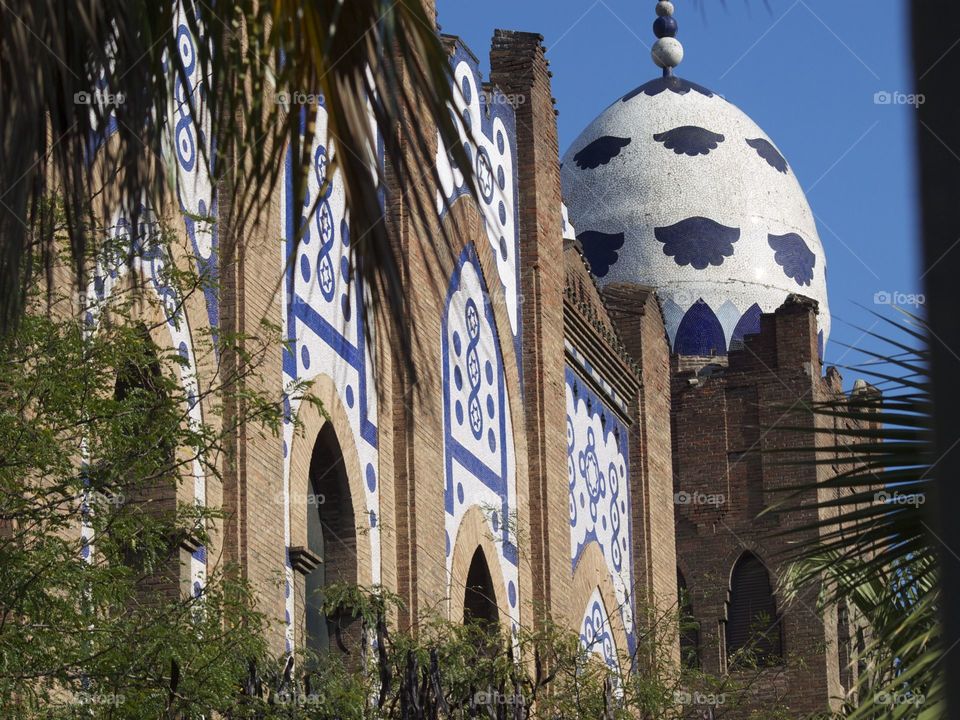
{"x": 674, "y": 187}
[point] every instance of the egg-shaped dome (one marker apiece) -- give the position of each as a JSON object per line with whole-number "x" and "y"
{"x": 674, "y": 187}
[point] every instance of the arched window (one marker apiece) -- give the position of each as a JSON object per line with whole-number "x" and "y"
{"x": 480, "y": 600}
{"x": 689, "y": 627}
{"x": 332, "y": 537}
{"x": 143, "y": 477}
{"x": 753, "y": 624}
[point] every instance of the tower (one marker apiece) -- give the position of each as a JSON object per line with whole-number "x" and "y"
{"x": 675, "y": 188}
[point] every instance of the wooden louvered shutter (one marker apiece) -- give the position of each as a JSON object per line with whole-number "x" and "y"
{"x": 752, "y": 620}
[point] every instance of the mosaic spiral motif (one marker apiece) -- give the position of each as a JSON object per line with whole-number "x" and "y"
{"x": 325, "y": 331}
{"x": 488, "y": 133}
{"x": 595, "y": 631}
{"x": 710, "y": 213}
{"x": 599, "y": 484}
{"x": 479, "y": 454}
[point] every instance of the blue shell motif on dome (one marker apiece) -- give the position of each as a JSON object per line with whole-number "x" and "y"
{"x": 793, "y": 255}
{"x": 698, "y": 241}
{"x": 689, "y": 140}
{"x": 674, "y": 84}
{"x": 769, "y": 153}
{"x": 700, "y": 333}
{"x": 601, "y": 250}
{"x": 600, "y": 152}
{"x": 749, "y": 324}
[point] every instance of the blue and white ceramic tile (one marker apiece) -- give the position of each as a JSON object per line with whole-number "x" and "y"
{"x": 193, "y": 150}
{"x": 599, "y": 483}
{"x": 479, "y": 454}
{"x": 150, "y": 258}
{"x": 596, "y": 635}
{"x": 487, "y": 124}
{"x": 674, "y": 187}
{"x": 325, "y": 330}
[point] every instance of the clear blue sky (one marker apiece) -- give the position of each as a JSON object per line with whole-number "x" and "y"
{"x": 807, "y": 71}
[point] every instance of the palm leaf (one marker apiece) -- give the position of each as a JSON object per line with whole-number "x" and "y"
{"x": 379, "y": 65}
{"x": 875, "y": 550}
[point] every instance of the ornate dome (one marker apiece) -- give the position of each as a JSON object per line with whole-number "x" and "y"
{"x": 674, "y": 187}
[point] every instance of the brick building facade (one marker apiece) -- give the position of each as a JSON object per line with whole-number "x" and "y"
{"x": 561, "y": 409}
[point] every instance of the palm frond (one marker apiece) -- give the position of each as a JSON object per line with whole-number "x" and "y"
{"x": 72, "y": 73}
{"x": 875, "y": 550}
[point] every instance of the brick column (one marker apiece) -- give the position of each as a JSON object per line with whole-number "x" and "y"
{"x": 520, "y": 68}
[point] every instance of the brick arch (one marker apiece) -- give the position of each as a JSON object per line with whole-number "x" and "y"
{"x": 591, "y": 574}
{"x": 474, "y": 534}
{"x": 464, "y": 226}
{"x": 755, "y": 594}
{"x": 301, "y": 452}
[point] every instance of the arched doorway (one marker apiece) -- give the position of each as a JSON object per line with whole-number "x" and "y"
{"x": 332, "y": 537}
{"x": 480, "y": 598}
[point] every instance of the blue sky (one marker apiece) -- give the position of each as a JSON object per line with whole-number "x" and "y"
{"x": 807, "y": 71}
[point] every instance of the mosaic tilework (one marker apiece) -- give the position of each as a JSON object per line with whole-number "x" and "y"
{"x": 598, "y": 474}
{"x": 595, "y": 632}
{"x": 193, "y": 150}
{"x": 479, "y": 455}
{"x": 488, "y": 132}
{"x": 325, "y": 328}
{"x": 150, "y": 258}
{"x": 698, "y": 203}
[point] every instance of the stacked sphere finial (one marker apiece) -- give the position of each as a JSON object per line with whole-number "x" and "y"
{"x": 667, "y": 52}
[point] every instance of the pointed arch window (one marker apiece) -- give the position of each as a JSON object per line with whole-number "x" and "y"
{"x": 754, "y": 628}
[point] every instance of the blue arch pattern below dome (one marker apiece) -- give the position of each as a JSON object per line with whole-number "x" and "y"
{"x": 700, "y": 332}
{"x": 749, "y": 324}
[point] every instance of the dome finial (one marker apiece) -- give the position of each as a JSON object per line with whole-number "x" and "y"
{"x": 667, "y": 52}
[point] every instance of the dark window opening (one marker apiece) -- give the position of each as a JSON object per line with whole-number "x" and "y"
{"x": 753, "y": 628}
{"x": 480, "y": 600}
{"x": 331, "y": 536}
{"x": 689, "y": 627}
